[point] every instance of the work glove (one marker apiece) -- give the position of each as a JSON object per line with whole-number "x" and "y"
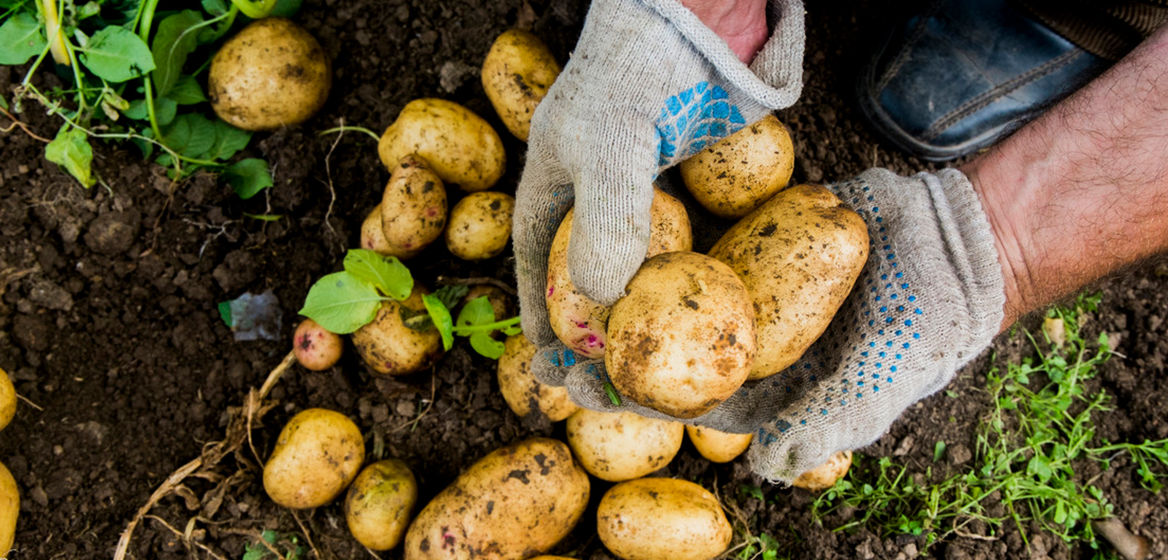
{"x": 929, "y": 300}
{"x": 648, "y": 85}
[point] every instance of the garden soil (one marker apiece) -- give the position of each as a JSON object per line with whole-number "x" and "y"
{"x": 110, "y": 330}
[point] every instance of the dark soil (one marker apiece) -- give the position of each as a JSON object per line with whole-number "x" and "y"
{"x": 108, "y": 319}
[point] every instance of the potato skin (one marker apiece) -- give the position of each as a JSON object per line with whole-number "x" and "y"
{"x": 616, "y": 446}
{"x": 659, "y": 518}
{"x": 372, "y": 234}
{"x": 825, "y": 475}
{"x": 737, "y": 174}
{"x": 9, "y": 509}
{"x": 379, "y": 504}
{"x": 459, "y": 145}
{"x": 716, "y": 446}
{"x": 316, "y": 348}
{"x": 389, "y": 347}
{"x": 316, "y": 457}
{"x": 7, "y": 399}
{"x": 480, "y": 225}
{"x": 580, "y": 322}
{"x": 799, "y": 255}
{"x": 682, "y": 340}
{"x": 522, "y": 391}
{"x": 516, "y": 76}
{"x": 413, "y": 208}
{"x": 516, "y": 502}
{"x": 271, "y": 74}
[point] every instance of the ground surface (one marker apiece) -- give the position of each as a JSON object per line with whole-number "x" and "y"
{"x": 108, "y": 318}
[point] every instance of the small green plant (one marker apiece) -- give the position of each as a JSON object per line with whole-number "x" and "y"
{"x": 345, "y": 301}
{"x": 281, "y": 546}
{"x": 1028, "y": 447}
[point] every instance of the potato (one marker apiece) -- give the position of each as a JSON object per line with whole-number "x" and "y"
{"x": 737, "y": 174}
{"x": 682, "y": 340}
{"x": 9, "y": 510}
{"x": 578, "y": 321}
{"x": 372, "y": 234}
{"x": 389, "y": 346}
{"x": 825, "y": 475}
{"x": 316, "y": 348}
{"x": 516, "y": 502}
{"x": 413, "y": 208}
{"x": 522, "y": 391}
{"x": 618, "y": 446}
{"x": 7, "y": 399}
{"x": 662, "y": 518}
{"x": 379, "y": 504}
{"x": 316, "y": 457}
{"x": 716, "y": 446}
{"x": 516, "y": 75}
{"x": 480, "y": 225}
{"x": 271, "y": 74}
{"x": 500, "y": 301}
{"x": 799, "y": 255}
{"x": 459, "y": 145}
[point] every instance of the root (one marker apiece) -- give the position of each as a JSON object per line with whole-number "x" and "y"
{"x": 17, "y": 122}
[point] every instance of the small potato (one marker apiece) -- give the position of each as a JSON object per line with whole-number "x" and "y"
{"x": 9, "y": 510}
{"x": 372, "y": 234}
{"x": 737, "y": 174}
{"x": 379, "y": 504}
{"x": 522, "y": 391}
{"x": 825, "y": 475}
{"x": 516, "y": 502}
{"x": 618, "y": 446}
{"x": 459, "y": 145}
{"x": 7, "y": 399}
{"x": 480, "y": 225}
{"x": 389, "y": 346}
{"x": 662, "y": 519}
{"x": 682, "y": 340}
{"x": 500, "y": 300}
{"x": 799, "y": 255}
{"x": 413, "y": 208}
{"x": 316, "y": 348}
{"x": 271, "y": 74}
{"x": 578, "y": 321}
{"x": 716, "y": 446}
{"x": 516, "y": 75}
{"x": 316, "y": 457}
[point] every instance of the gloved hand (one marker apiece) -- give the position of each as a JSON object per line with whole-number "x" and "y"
{"x": 929, "y": 299}
{"x": 647, "y": 86}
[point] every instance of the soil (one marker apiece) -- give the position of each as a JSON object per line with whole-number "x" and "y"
{"x": 109, "y": 324}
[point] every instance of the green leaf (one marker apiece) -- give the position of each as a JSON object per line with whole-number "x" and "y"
{"x": 21, "y": 38}
{"x": 613, "y": 396}
{"x": 341, "y": 303}
{"x": 215, "y": 7}
{"x": 440, "y": 316}
{"x": 116, "y": 54}
{"x": 512, "y": 330}
{"x": 451, "y": 294}
{"x": 387, "y": 274}
{"x": 189, "y": 134}
{"x": 187, "y": 91}
{"x": 248, "y": 177}
{"x": 225, "y": 313}
{"x": 938, "y": 451}
{"x": 71, "y": 150}
{"x": 476, "y": 312}
{"x": 165, "y": 109}
{"x": 482, "y": 343}
{"x": 285, "y": 8}
{"x": 264, "y": 217}
{"x": 228, "y": 141}
{"x": 174, "y": 41}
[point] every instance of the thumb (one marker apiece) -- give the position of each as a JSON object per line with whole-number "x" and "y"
{"x": 541, "y": 200}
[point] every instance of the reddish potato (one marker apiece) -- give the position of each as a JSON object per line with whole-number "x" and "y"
{"x": 316, "y": 348}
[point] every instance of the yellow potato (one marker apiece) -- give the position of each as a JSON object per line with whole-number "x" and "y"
{"x": 682, "y": 340}
{"x": 736, "y": 175}
{"x": 316, "y": 457}
{"x": 459, "y": 145}
{"x": 516, "y": 75}
{"x": 413, "y": 208}
{"x": 825, "y": 475}
{"x": 271, "y": 74}
{"x": 372, "y": 235}
{"x": 379, "y": 504}
{"x": 578, "y": 321}
{"x": 389, "y": 346}
{"x": 716, "y": 446}
{"x": 7, "y": 399}
{"x": 662, "y": 519}
{"x": 522, "y": 391}
{"x": 799, "y": 256}
{"x": 480, "y": 225}
{"x": 9, "y": 510}
{"x": 617, "y": 446}
{"x": 516, "y": 502}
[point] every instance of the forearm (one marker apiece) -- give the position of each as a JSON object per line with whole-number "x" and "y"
{"x": 1083, "y": 190}
{"x": 741, "y": 23}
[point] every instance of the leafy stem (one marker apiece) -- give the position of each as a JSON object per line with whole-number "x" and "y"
{"x": 467, "y": 330}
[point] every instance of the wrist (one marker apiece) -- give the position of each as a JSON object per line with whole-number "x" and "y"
{"x": 741, "y": 23}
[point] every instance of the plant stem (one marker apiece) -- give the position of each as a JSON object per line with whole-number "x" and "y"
{"x": 344, "y": 128}
{"x": 463, "y": 330}
{"x": 255, "y": 10}
{"x": 53, "y": 31}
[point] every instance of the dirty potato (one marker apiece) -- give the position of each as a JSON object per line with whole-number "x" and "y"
{"x": 522, "y": 391}
{"x": 379, "y": 504}
{"x": 372, "y": 234}
{"x": 9, "y": 510}
{"x": 740, "y": 172}
{"x": 480, "y": 225}
{"x": 7, "y": 399}
{"x": 717, "y": 446}
{"x": 516, "y": 502}
{"x": 316, "y": 348}
{"x": 413, "y": 208}
{"x": 662, "y": 518}
{"x": 459, "y": 145}
{"x": 390, "y": 345}
{"x": 825, "y": 475}
{"x": 316, "y": 457}
{"x": 516, "y": 76}
{"x": 617, "y": 446}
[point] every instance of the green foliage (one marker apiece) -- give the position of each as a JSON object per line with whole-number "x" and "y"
{"x": 287, "y": 545}
{"x": 1037, "y": 435}
{"x": 116, "y": 54}
{"x": 387, "y": 274}
{"x": 21, "y": 38}
{"x": 342, "y": 302}
{"x": 71, "y": 150}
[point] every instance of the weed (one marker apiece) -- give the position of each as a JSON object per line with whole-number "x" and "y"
{"x": 281, "y": 546}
